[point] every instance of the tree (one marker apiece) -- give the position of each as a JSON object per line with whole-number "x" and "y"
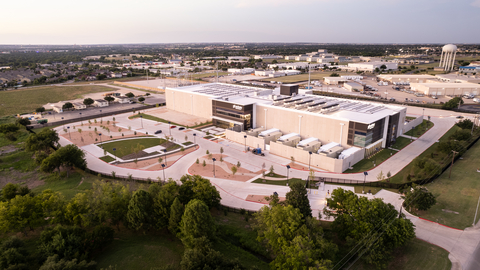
{"x": 272, "y": 170}
{"x": 162, "y": 202}
{"x": 197, "y": 187}
{"x": 141, "y": 99}
{"x": 234, "y": 169}
{"x": 298, "y": 198}
{"x": 370, "y": 223}
{"x": 67, "y": 105}
{"x": 68, "y": 156}
{"x": 40, "y": 109}
{"x": 453, "y": 103}
{"x": 383, "y": 67}
{"x": 43, "y": 140}
{"x": 101, "y": 76}
{"x": 334, "y": 75}
{"x": 55, "y": 263}
{"x": 20, "y": 213}
{"x": 176, "y": 213}
{"x": 292, "y": 158}
{"x": 129, "y": 95}
{"x": 221, "y": 151}
{"x": 109, "y": 98}
{"x": 13, "y": 254}
{"x": 197, "y": 225}
{"x": 465, "y": 124}
{"x": 208, "y": 258}
{"x": 297, "y": 242}
{"x": 8, "y": 128}
{"x": 418, "y": 197}
{"x": 448, "y": 146}
{"x": 380, "y": 176}
{"x": 88, "y": 101}
{"x": 9, "y": 191}
{"x": 139, "y": 210}
{"x": 23, "y": 121}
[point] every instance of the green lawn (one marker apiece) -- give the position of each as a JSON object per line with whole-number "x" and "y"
{"x": 107, "y": 158}
{"x": 127, "y": 147}
{"x": 154, "y": 118}
{"x": 28, "y": 99}
{"x": 420, "y": 129}
{"x": 367, "y": 163}
{"x": 401, "y": 143}
{"x": 314, "y": 76}
{"x": 417, "y": 255}
{"x": 460, "y": 193}
{"x": 67, "y": 186}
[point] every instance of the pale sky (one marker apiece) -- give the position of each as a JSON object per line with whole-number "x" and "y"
{"x": 161, "y": 21}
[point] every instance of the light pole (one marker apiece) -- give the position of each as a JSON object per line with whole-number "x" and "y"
{"x": 245, "y": 136}
{"x": 165, "y": 155}
{"x": 163, "y": 168}
{"x": 288, "y": 170}
{"x": 63, "y": 123}
{"x": 169, "y": 128}
{"x": 451, "y": 166}
{"x": 195, "y": 138}
{"x": 100, "y": 135}
{"x": 115, "y": 149}
{"x": 68, "y": 128}
{"x": 309, "y": 159}
{"x": 101, "y": 120}
{"x": 81, "y": 121}
{"x": 213, "y": 159}
{"x": 141, "y": 120}
{"x": 364, "y": 180}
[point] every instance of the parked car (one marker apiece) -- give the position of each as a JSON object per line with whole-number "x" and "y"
{"x": 173, "y": 126}
{"x": 181, "y": 128}
{"x": 158, "y": 132}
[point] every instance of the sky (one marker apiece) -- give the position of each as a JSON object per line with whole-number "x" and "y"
{"x": 183, "y": 21}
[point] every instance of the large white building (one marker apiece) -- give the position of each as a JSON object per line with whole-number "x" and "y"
{"x": 371, "y": 66}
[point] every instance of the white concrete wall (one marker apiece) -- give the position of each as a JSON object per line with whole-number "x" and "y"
{"x": 189, "y": 102}
{"x": 412, "y": 124}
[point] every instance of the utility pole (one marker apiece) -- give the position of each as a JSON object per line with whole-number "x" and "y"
{"x": 453, "y": 157}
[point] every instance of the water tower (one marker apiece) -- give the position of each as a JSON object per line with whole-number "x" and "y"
{"x": 447, "y": 59}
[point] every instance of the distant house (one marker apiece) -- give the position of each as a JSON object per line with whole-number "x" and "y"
{"x": 58, "y": 108}
{"x": 122, "y": 99}
{"x": 174, "y": 61}
{"x": 116, "y": 75}
{"x": 79, "y": 106}
{"x": 100, "y": 103}
{"x": 126, "y": 73}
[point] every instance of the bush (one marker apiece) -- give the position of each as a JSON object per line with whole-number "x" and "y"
{"x": 465, "y": 124}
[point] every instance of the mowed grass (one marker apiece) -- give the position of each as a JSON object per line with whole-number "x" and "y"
{"x": 400, "y": 143}
{"x": 416, "y": 255}
{"x": 459, "y": 194}
{"x": 28, "y": 99}
{"x": 314, "y": 76}
{"x": 135, "y": 250}
{"x": 367, "y": 163}
{"x": 420, "y": 129}
{"x": 127, "y": 147}
{"x": 153, "y": 118}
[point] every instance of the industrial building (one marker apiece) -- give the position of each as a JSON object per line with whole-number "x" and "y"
{"x": 408, "y": 78}
{"x": 266, "y": 116}
{"x": 446, "y": 89}
{"x": 371, "y": 66}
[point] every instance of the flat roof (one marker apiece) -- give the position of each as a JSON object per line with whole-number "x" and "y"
{"x": 335, "y": 79}
{"x": 448, "y": 85}
{"x": 403, "y": 76}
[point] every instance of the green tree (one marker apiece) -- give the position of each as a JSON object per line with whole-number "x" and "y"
{"x": 141, "y": 99}
{"x": 9, "y": 191}
{"x": 176, "y": 213}
{"x": 139, "y": 210}
{"x": 162, "y": 203}
{"x": 88, "y": 101}
{"x": 109, "y": 98}
{"x": 67, "y": 105}
{"x": 8, "y": 128}
{"x": 369, "y": 223}
{"x": 465, "y": 124}
{"x": 297, "y": 243}
{"x": 78, "y": 209}
{"x": 197, "y": 187}
{"x": 40, "y": 109}
{"x": 298, "y": 198}
{"x": 197, "y": 225}
{"x": 418, "y": 197}
{"x": 13, "y": 254}
{"x": 44, "y": 140}
{"x": 68, "y": 156}
{"x": 453, "y": 103}
{"x": 55, "y": 263}
{"x": 234, "y": 169}
{"x": 23, "y": 121}
{"x": 208, "y": 258}
{"x": 129, "y": 95}
{"x": 21, "y": 213}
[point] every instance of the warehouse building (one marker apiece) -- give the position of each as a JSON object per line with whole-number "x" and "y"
{"x": 371, "y": 66}
{"x": 405, "y": 78}
{"x": 446, "y": 89}
{"x": 293, "y": 122}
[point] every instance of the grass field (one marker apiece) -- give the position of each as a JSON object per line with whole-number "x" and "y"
{"x": 367, "y": 163}
{"x": 314, "y": 76}
{"x": 107, "y": 158}
{"x": 400, "y": 143}
{"x": 417, "y": 255}
{"x": 420, "y": 129}
{"x": 28, "y": 99}
{"x": 459, "y": 194}
{"x": 127, "y": 147}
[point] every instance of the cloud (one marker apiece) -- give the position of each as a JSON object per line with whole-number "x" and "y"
{"x": 476, "y": 3}
{"x": 271, "y": 3}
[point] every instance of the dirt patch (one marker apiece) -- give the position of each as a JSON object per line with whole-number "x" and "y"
{"x": 469, "y": 192}
{"x": 7, "y": 149}
{"x": 298, "y": 166}
{"x": 30, "y": 179}
{"x": 88, "y": 134}
{"x": 222, "y": 169}
{"x": 261, "y": 198}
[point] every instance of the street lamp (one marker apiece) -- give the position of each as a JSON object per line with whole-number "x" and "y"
{"x": 68, "y": 128}
{"x": 213, "y": 159}
{"x": 195, "y": 138}
{"x": 288, "y": 170}
{"x": 63, "y": 123}
{"x": 364, "y": 180}
{"x": 309, "y": 159}
{"x": 100, "y": 135}
{"x": 169, "y": 128}
{"x": 163, "y": 168}
{"x": 115, "y": 149}
{"x": 141, "y": 120}
{"x": 81, "y": 121}
{"x": 165, "y": 155}
{"x": 245, "y": 136}
{"x": 101, "y": 120}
